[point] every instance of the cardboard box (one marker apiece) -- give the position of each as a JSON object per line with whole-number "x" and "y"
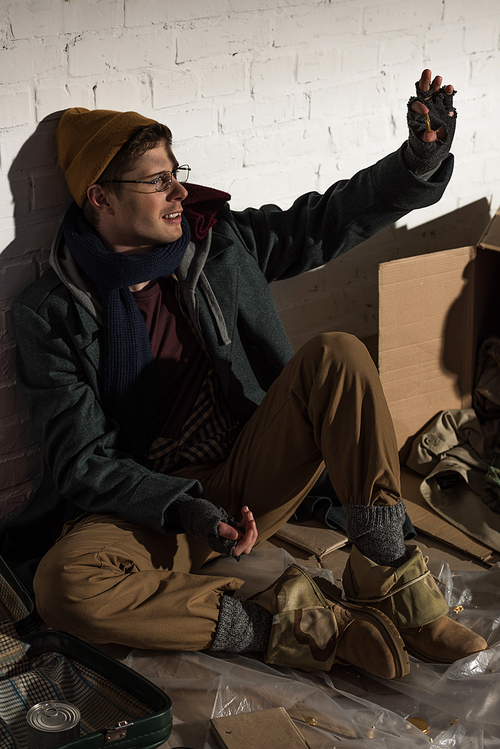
{"x": 433, "y": 311}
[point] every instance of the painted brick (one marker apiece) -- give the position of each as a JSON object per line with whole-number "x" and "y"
{"x": 175, "y": 88}
{"x": 361, "y": 95}
{"x": 138, "y": 13}
{"x": 192, "y": 10}
{"x": 15, "y": 470}
{"x": 34, "y": 19}
{"x": 268, "y": 110}
{"x": 236, "y": 117}
{"x": 317, "y": 65}
{"x": 24, "y": 61}
{"x": 481, "y": 140}
{"x": 6, "y": 359}
{"x": 292, "y": 142}
{"x": 17, "y": 432}
{"x": 222, "y": 36}
{"x": 195, "y": 123}
{"x": 7, "y": 402}
{"x": 89, "y": 55}
{"x": 278, "y": 186}
{"x": 211, "y": 158}
{"x": 316, "y": 312}
{"x": 360, "y": 58}
{"x": 124, "y": 95}
{"x": 222, "y": 79}
{"x": 485, "y": 70}
{"x": 92, "y": 15}
{"x": 8, "y": 236}
{"x": 272, "y": 74}
{"x": 12, "y": 499}
{"x": 295, "y": 28}
{"x": 15, "y": 106}
{"x": 50, "y": 100}
{"x": 464, "y": 10}
{"x": 480, "y": 38}
{"x": 247, "y": 5}
{"x": 297, "y": 290}
{"x": 397, "y": 49}
{"x": 403, "y": 14}
{"x": 361, "y": 296}
{"x": 14, "y": 277}
{"x": 443, "y": 44}
{"x": 39, "y": 18}
{"x": 14, "y": 197}
{"x": 26, "y": 149}
{"x": 491, "y": 177}
{"x": 49, "y": 190}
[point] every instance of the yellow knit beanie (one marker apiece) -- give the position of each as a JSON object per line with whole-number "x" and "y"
{"x": 87, "y": 140}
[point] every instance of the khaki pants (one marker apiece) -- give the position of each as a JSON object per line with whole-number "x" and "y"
{"x": 111, "y": 581}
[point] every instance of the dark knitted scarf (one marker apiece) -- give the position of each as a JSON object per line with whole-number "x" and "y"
{"x": 129, "y": 381}
{"x": 130, "y": 394}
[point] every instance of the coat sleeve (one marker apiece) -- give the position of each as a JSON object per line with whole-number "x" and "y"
{"x": 79, "y": 442}
{"x": 318, "y": 228}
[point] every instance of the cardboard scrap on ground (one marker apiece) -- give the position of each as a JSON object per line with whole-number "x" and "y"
{"x": 312, "y": 537}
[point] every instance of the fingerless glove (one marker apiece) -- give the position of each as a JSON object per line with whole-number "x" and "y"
{"x": 421, "y": 157}
{"x": 200, "y": 518}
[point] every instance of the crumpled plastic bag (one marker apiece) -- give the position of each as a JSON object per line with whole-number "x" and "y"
{"x": 345, "y": 708}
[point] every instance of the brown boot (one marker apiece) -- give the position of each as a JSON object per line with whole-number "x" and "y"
{"x": 410, "y": 597}
{"x": 311, "y": 633}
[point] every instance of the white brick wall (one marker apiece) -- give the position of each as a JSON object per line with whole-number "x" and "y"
{"x": 266, "y": 99}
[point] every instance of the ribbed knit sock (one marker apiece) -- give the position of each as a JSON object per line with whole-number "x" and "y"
{"x": 377, "y": 531}
{"x": 242, "y": 626}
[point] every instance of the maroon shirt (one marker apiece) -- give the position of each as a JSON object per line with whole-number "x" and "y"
{"x": 180, "y": 362}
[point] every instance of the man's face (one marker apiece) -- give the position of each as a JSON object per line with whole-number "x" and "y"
{"x": 141, "y": 218}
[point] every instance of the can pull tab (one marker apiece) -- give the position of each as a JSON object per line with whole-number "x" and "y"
{"x": 118, "y": 732}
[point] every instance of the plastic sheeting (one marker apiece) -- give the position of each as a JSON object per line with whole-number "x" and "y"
{"x": 345, "y": 707}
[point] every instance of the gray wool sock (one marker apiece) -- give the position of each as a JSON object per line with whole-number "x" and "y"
{"x": 243, "y": 626}
{"x": 377, "y": 531}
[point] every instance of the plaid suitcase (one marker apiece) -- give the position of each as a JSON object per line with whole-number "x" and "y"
{"x": 119, "y": 708}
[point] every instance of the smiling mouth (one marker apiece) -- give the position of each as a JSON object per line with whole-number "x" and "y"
{"x": 172, "y": 215}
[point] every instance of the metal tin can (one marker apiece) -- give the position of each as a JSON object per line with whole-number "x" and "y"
{"x": 52, "y": 724}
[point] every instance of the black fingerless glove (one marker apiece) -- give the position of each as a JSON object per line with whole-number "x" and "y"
{"x": 200, "y": 518}
{"x": 421, "y": 157}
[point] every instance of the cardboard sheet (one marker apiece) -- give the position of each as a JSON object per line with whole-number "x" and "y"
{"x": 266, "y": 729}
{"x": 316, "y": 539}
{"x": 425, "y": 301}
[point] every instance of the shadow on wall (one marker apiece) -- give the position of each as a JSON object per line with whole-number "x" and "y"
{"x": 40, "y": 197}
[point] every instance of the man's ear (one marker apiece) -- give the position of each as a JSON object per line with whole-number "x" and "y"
{"x": 98, "y": 198}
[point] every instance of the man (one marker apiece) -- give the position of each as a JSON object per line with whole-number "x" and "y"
{"x": 169, "y": 403}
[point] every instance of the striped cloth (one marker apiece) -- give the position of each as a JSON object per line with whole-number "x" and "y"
{"x": 207, "y": 435}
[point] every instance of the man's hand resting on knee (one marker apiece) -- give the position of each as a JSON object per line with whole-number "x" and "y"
{"x": 245, "y": 534}
{"x": 212, "y": 525}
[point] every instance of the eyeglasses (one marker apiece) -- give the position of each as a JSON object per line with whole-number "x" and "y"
{"x": 163, "y": 181}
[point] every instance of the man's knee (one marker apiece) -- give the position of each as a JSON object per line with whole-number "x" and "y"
{"x": 337, "y": 347}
